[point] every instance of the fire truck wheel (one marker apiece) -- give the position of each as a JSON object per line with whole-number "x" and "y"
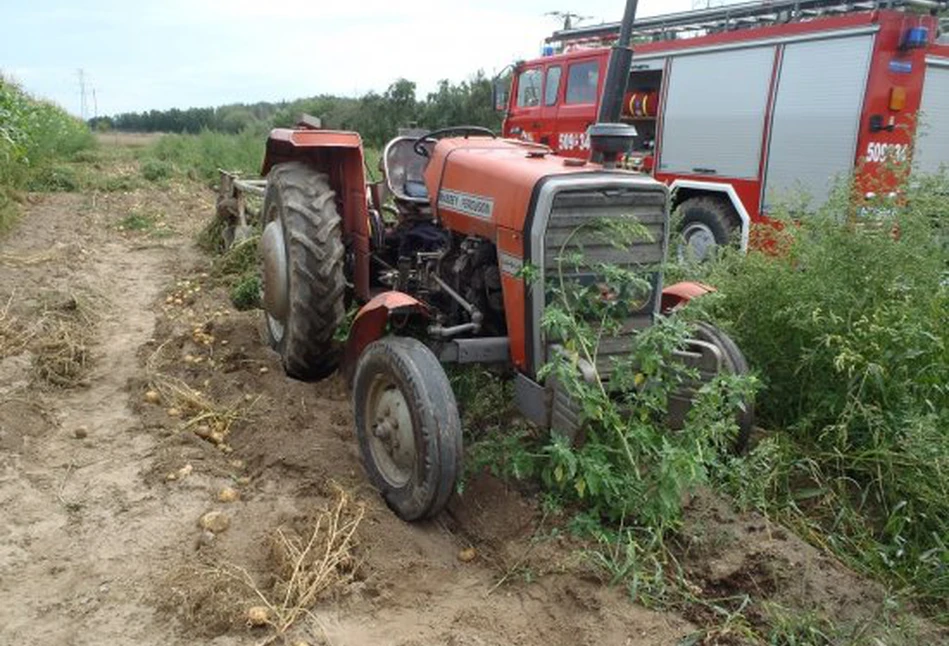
{"x": 734, "y": 363}
{"x": 408, "y": 426}
{"x": 303, "y": 283}
{"x": 707, "y": 224}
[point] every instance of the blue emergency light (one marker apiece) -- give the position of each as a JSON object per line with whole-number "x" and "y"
{"x": 915, "y": 37}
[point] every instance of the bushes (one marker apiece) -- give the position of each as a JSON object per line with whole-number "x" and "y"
{"x": 156, "y": 170}
{"x": 36, "y": 137}
{"x": 848, "y": 331}
{"x": 200, "y": 156}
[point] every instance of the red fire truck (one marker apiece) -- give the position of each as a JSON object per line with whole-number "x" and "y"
{"x": 740, "y": 107}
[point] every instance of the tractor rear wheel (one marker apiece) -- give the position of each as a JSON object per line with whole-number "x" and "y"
{"x": 408, "y": 426}
{"x": 707, "y": 225}
{"x": 733, "y": 362}
{"x": 303, "y": 281}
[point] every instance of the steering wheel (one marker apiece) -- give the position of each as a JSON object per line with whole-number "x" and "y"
{"x": 419, "y": 148}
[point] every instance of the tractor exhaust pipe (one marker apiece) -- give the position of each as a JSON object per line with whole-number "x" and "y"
{"x": 617, "y": 72}
{"x": 608, "y": 137}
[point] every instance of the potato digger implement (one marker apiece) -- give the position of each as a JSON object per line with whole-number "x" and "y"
{"x": 435, "y": 257}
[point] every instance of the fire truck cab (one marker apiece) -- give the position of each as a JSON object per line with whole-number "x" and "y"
{"x": 742, "y": 107}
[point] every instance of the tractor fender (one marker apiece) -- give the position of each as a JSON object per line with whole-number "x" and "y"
{"x": 370, "y": 324}
{"x": 286, "y": 144}
{"x": 678, "y": 295}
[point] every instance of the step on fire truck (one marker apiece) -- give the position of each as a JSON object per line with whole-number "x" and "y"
{"x": 741, "y": 107}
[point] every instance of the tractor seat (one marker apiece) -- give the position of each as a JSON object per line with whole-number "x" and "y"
{"x": 404, "y": 170}
{"x": 416, "y": 189}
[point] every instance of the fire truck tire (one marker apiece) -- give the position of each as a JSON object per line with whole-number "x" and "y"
{"x": 707, "y": 224}
{"x": 304, "y": 286}
{"x": 408, "y": 426}
{"x": 734, "y": 363}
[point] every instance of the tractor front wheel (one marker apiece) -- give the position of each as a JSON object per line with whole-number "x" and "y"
{"x": 408, "y": 426}
{"x": 303, "y": 282}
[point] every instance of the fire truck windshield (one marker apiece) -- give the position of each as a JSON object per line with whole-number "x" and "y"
{"x": 528, "y": 88}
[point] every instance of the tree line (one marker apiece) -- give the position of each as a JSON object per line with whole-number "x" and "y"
{"x": 376, "y": 116}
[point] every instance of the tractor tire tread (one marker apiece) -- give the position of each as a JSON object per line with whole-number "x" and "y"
{"x": 315, "y": 250}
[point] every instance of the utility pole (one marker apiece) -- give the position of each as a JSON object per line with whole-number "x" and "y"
{"x": 568, "y": 17}
{"x": 95, "y": 105}
{"x": 82, "y": 93}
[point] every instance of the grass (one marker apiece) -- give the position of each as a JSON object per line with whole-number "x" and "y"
{"x": 848, "y": 331}
{"x": 200, "y": 156}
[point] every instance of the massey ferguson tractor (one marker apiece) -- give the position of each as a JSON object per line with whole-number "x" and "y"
{"x": 440, "y": 278}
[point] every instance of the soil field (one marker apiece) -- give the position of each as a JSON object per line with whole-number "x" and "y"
{"x": 162, "y": 482}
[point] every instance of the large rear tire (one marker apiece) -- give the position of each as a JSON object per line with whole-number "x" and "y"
{"x": 408, "y": 426}
{"x": 303, "y": 280}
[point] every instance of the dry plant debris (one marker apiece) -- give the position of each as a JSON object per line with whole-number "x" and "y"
{"x": 14, "y": 336}
{"x": 59, "y": 335}
{"x": 210, "y": 420}
{"x": 309, "y": 565}
{"x": 65, "y": 331}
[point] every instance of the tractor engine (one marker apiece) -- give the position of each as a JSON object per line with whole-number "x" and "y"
{"x": 458, "y": 275}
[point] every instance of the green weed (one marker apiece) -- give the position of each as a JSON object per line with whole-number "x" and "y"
{"x": 848, "y": 329}
{"x": 55, "y": 178}
{"x": 200, "y": 156}
{"x": 137, "y": 222}
{"x": 36, "y": 137}
{"x": 156, "y": 170}
{"x": 245, "y": 294}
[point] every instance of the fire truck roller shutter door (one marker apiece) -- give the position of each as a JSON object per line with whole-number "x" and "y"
{"x": 820, "y": 94}
{"x": 713, "y": 124}
{"x": 932, "y": 147}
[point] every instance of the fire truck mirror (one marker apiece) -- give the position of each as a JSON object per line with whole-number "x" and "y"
{"x": 499, "y": 94}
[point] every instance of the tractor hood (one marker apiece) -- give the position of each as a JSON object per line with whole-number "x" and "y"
{"x": 478, "y": 184}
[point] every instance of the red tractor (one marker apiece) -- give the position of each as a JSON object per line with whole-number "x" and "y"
{"x": 438, "y": 273}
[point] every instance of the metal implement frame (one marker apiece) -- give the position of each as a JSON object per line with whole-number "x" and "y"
{"x": 232, "y": 186}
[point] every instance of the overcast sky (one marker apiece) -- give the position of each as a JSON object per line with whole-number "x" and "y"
{"x": 184, "y": 53}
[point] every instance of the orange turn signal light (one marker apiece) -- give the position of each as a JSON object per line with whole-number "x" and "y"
{"x": 897, "y": 98}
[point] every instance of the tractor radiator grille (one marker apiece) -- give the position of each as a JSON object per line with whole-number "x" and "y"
{"x": 581, "y": 236}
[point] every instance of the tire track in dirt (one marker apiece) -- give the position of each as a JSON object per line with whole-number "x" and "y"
{"x": 80, "y": 527}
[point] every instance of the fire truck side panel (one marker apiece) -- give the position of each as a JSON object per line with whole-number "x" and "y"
{"x": 712, "y": 126}
{"x": 888, "y": 120}
{"x": 820, "y": 91}
{"x": 759, "y": 114}
{"x": 932, "y": 151}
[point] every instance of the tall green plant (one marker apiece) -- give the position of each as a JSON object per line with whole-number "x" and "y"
{"x": 630, "y": 469}
{"x": 849, "y": 329}
{"x": 35, "y": 138}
